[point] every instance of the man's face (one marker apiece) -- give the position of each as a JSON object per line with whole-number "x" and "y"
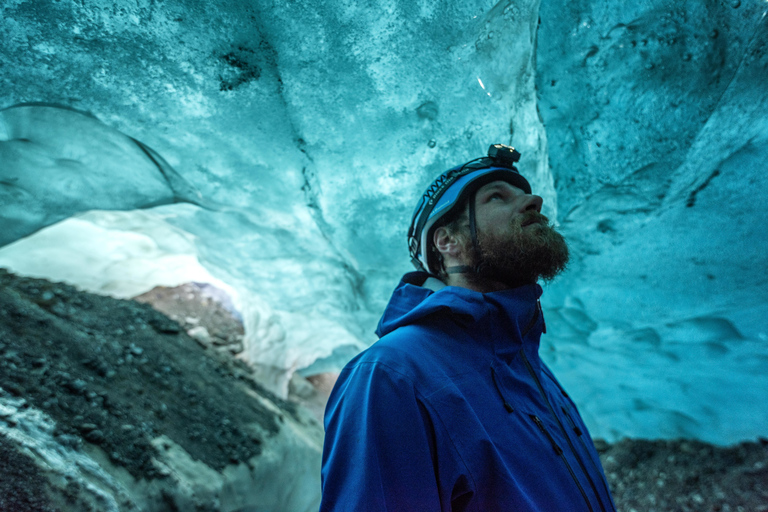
{"x": 516, "y": 243}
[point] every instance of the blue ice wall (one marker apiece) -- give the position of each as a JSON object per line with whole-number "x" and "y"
{"x": 657, "y": 122}
{"x": 307, "y": 131}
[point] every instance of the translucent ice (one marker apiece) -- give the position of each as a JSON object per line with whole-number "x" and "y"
{"x": 311, "y": 129}
{"x": 57, "y": 161}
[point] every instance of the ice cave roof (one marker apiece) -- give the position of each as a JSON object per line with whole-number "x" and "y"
{"x": 277, "y": 149}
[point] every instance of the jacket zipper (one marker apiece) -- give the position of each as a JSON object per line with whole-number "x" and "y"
{"x": 567, "y": 437}
{"x": 532, "y": 322}
{"x": 559, "y": 452}
{"x": 579, "y": 434}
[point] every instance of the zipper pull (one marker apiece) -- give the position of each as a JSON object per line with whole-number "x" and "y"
{"x": 507, "y": 406}
{"x": 576, "y": 429}
{"x": 543, "y": 429}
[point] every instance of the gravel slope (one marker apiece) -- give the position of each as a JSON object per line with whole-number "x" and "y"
{"x": 121, "y": 382}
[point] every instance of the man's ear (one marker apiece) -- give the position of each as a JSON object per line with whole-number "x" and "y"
{"x": 445, "y": 242}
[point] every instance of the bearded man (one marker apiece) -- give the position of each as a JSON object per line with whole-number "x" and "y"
{"x": 452, "y": 409}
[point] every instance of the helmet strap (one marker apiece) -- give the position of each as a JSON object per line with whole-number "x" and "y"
{"x": 466, "y": 269}
{"x": 460, "y": 269}
{"x": 472, "y": 221}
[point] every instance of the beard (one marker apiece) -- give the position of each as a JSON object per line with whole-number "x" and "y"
{"x": 526, "y": 255}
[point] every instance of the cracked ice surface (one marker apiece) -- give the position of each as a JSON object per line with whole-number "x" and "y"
{"x": 298, "y": 137}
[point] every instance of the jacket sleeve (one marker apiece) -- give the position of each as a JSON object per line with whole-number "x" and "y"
{"x": 379, "y": 452}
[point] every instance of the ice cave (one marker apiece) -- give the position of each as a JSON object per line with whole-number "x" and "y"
{"x": 274, "y": 151}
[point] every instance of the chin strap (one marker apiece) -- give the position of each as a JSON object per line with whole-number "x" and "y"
{"x": 472, "y": 223}
{"x": 460, "y": 269}
{"x": 466, "y": 269}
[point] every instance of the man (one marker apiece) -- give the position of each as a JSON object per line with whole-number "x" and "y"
{"x": 452, "y": 409}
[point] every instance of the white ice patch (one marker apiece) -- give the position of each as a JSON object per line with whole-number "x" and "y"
{"x": 32, "y": 430}
{"x": 122, "y": 254}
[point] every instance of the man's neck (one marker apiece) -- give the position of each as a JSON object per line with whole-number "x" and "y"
{"x": 480, "y": 284}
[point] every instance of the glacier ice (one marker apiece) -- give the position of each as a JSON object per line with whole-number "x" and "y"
{"x": 113, "y": 253}
{"x": 659, "y": 172}
{"x": 58, "y": 161}
{"x": 310, "y": 129}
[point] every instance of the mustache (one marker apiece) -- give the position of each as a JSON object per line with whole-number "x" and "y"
{"x": 531, "y": 217}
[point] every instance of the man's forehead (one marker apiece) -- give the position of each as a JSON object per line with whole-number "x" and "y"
{"x": 499, "y": 185}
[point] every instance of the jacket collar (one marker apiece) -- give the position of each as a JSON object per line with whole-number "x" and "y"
{"x": 499, "y": 317}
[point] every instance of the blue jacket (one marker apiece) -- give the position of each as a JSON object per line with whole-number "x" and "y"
{"x": 452, "y": 409}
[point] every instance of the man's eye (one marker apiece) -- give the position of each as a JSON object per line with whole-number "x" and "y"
{"x": 495, "y": 195}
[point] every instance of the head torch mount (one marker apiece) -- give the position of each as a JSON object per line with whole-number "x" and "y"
{"x": 506, "y": 156}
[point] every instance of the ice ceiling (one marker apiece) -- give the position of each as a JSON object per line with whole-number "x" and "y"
{"x": 276, "y": 149}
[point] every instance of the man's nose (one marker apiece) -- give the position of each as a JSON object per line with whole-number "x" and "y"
{"x": 531, "y": 202}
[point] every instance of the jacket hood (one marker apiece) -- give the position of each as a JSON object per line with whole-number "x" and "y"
{"x": 411, "y": 303}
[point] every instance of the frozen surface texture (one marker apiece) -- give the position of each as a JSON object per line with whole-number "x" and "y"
{"x": 57, "y": 162}
{"x": 300, "y": 134}
{"x": 310, "y": 130}
{"x": 658, "y": 127}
